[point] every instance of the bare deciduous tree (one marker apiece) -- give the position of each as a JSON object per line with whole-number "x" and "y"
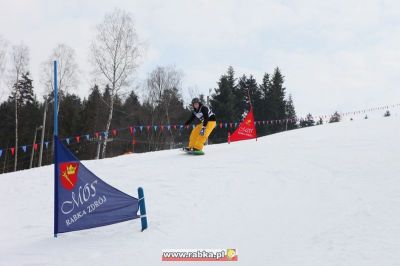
{"x": 67, "y": 70}
{"x": 162, "y": 86}
{"x": 18, "y": 66}
{"x": 67, "y": 78}
{"x": 3, "y": 59}
{"x": 192, "y": 93}
{"x": 115, "y": 51}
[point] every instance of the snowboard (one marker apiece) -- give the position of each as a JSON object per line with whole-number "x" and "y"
{"x": 193, "y": 152}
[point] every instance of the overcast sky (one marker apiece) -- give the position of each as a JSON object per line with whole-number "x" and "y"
{"x": 336, "y": 55}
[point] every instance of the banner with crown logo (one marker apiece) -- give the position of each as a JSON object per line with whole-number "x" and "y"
{"x": 85, "y": 201}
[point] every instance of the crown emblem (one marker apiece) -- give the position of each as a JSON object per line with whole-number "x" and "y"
{"x": 69, "y": 174}
{"x": 71, "y": 170}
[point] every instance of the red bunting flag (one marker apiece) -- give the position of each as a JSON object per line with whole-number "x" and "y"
{"x": 12, "y": 151}
{"x": 162, "y": 127}
{"x": 114, "y": 132}
{"x": 97, "y": 134}
{"x": 148, "y": 128}
{"x": 220, "y": 125}
{"x": 131, "y": 130}
{"x": 246, "y": 129}
{"x": 35, "y": 146}
{"x": 174, "y": 126}
{"x": 78, "y": 138}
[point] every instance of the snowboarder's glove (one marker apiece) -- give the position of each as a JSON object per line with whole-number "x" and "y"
{"x": 202, "y": 131}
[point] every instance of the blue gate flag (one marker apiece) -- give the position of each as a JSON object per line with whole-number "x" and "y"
{"x": 85, "y": 201}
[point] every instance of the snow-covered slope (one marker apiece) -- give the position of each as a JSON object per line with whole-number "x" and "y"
{"x": 326, "y": 195}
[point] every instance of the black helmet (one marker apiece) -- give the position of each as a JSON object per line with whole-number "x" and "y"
{"x": 196, "y": 100}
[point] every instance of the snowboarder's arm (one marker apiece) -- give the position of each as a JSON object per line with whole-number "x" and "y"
{"x": 190, "y": 120}
{"x": 204, "y": 110}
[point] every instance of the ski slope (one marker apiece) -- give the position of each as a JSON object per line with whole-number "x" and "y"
{"x": 326, "y": 195}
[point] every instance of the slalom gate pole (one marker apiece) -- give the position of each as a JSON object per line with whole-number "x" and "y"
{"x": 142, "y": 209}
{"x": 55, "y": 139}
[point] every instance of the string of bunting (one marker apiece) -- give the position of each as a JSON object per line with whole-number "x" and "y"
{"x": 134, "y": 129}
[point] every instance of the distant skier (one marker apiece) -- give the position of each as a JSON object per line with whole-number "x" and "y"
{"x": 200, "y": 133}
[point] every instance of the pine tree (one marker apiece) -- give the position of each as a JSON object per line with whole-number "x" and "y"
{"x": 308, "y": 122}
{"x": 265, "y": 88}
{"x": 93, "y": 119}
{"x": 387, "y": 114}
{"x": 25, "y": 91}
{"x": 265, "y": 109}
{"x": 276, "y": 100}
{"x": 291, "y": 113}
{"x": 7, "y": 125}
{"x": 241, "y": 93}
{"x": 335, "y": 118}
{"x": 69, "y": 115}
{"x": 133, "y": 109}
{"x": 93, "y": 114}
{"x": 223, "y": 100}
{"x": 28, "y": 114}
{"x": 223, "y": 103}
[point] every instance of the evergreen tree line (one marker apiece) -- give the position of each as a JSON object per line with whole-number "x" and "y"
{"x": 230, "y": 102}
{"x": 234, "y": 96}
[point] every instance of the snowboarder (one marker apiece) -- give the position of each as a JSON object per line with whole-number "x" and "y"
{"x": 200, "y": 133}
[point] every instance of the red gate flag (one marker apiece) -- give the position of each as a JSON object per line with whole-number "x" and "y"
{"x": 246, "y": 129}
